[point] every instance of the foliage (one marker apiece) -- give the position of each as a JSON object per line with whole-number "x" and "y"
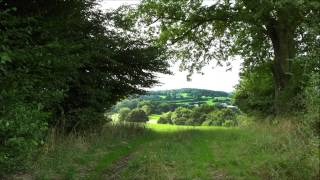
{"x": 225, "y": 117}
{"x": 199, "y": 114}
{"x": 187, "y": 92}
{"x": 312, "y": 103}
{"x": 22, "y": 130}
{"x": 255, "y": 91}
{"x": 158, "y": 102}
{"x": 137, "y": 115}
{"x": 165, "y": 118}
{"x": 62, "y": 65}
{"x": 147, "y": 109}
{"x": 123, "y": 114}
{"x": 181, "y": 116}
{"x": 274, "y": 32}
{"x": 130, "y": 103}
{"x": 203, "y": 115}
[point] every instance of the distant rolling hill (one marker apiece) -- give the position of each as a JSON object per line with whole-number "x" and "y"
{"x": 168, "y": 100}
{"x": 187, "y": 96}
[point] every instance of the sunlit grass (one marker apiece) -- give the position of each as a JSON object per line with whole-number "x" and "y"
{"x": 162, "y": 151}
{"x": 154, "y": 117}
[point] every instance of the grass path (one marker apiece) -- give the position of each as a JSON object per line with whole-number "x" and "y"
{"x": 177, "y": 152}
{"x": 180, "y": 152}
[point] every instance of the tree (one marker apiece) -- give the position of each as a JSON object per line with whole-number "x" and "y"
{"x": 130, "y": 103}
{"x": 165, "y": 118}
{"x": 123, "y": 114}
{"x": 262, "y": 31}
{"x": 164, "y": 107}
{"x": 72, "y": 67}
{"x": 181, "y": 115}
{"x": 223, "y": 117}
{"x": 199, "y": 114}
{"x": 147, "y": 109}
{"x": 63, "y": 66}
{"x": 137, "y": 115}
{"x": 255, "y": 91}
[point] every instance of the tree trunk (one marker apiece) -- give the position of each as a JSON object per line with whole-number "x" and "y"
{"x": 281, "y": 35}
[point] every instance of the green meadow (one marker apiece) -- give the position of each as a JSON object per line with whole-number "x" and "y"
{"x": 154, "y": 151}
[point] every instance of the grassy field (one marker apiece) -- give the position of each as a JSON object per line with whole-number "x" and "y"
{"x": 153, "y": 118}
{"x": 187, "y": 99}
{"x": 180, "y": 152}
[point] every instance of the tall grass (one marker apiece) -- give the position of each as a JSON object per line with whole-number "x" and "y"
{"x": 295, "y": 152}
{"x": 78, "y": 155}
{"x": 278, "y": 149}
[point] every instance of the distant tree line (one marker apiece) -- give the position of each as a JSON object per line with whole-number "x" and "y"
{"x": 179, "y": 94}
{"x": 162, "y": 101}
{"x": 204, "y": 115}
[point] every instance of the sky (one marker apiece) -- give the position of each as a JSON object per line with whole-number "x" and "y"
{"x": 214, "y": 78}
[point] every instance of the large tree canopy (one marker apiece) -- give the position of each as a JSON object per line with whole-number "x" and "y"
{"x": 262, "y": 32}
{"x": 65, "y": 66}
{"x": 62, "y": 66}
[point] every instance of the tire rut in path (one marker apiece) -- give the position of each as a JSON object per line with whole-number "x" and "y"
{"x": 114, "y": 171}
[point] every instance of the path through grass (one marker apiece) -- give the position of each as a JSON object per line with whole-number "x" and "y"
{"x": 185, "y": 152}
{"x": 181, "y": 152}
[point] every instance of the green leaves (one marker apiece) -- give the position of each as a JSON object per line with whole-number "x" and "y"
{"x": 4, "y": 57}
{"x": 68, "y": 64}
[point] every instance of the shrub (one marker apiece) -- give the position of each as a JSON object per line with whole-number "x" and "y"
{"x": 137, "y": 115}
{"x": 224, "y": 117}
{"x": 22, "y": 130}
{"x": 181, "y": 116}
{"x": 147, "y": 109}
{"x": 199, "y": 114}
{"x": 312, "y": 103}
{"x": 85, "y": 119}
{"x": 165, "y": 118}
{"x": 255, "y": 91}
{"x": 123, "y": 114}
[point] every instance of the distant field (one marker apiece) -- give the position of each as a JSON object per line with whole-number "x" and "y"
{"x": 210, "y": 102}
{"x": 153, "y": 119}
{"x": 189, "y": 100}
{"x": 184, "y": 95}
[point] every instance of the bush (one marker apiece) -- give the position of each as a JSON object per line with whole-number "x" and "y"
{"x": 181, "y": 115}
{"x": 199, "y": 114}
{"x": 22, "y": 130}
{"x": 123, "y": 114}
{"x": 165, "y": 118}
{"x": 224, "y": 117}
{"x": 312, "y": 103}
{"x": 137, "y": 115}
{"x": 85, "y": 119}
{"x": 255, "y": 91}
